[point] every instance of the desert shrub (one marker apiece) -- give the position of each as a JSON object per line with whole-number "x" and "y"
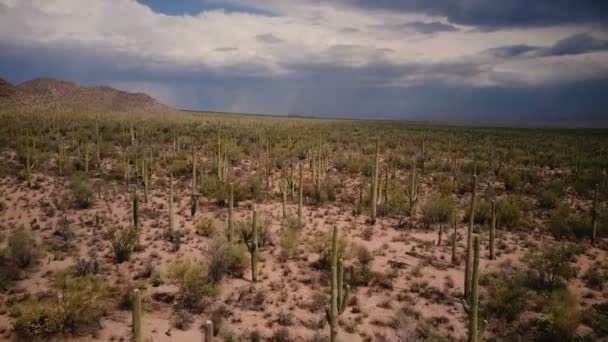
{"x": 322, "y": 246}
{"x": 225, "y": 258}
{"x": 289, "y": 243}
{"x": 324, "y": 192}
{"x": 550, "y": 267}
{"x": 22, "y": 249}
{"x": 509, "y": 212}
{"x": 438, "y": 210}
{"x": 86, "y": 267}
{"x": 9, "y": 272}
{"x": 483, "y": 212}
{"x": 192, "y": 283}
{"x": 558, "y": 222}
{"x": 595, "y": 278}
{"x": 512, "y": 180}
{"x": 82, "y": 191}
{"x": 398, "y": 203}
{"x": 245, "y": 231}
{"x": 82, "y": 303}
{"x": 206, "y": 226}
{"x": 361, "y": 254}
{"x": 507, "y": 296}
{"x": 564, "y": 223}
{"x": 596, "y": 317}
{"x": 180, "y": 167}
{"x": 548, "y": 199}
{"x": 124, "y": 242}
{"x": 564, "y": 315}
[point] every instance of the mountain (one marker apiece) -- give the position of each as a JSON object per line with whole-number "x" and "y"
{"x": 49, "y": 93}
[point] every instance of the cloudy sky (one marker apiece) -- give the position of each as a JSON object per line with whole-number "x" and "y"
{"x": 450, "y": 60}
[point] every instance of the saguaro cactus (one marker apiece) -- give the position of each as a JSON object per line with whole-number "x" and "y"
{"x": 339, "y": 293}
{"x": 252, "y": 246}
{"x": 208, "y": 331}
{"x": 493, "y": 230}
{"x": 469, "y": 260}
{"x": 300, "y": 198}
{"x": 171, "y": 222}
{"x": 454, "y": 237}
{"x": 412, "y": 194}
{"x": 135, "y": 208}
{"x": 231, "y": 213}
{"x": 375, "y": 183}
{"x": 594, "y": 216}
{"x": 476, "y": 330}
{"x": 136, "y": 317}
{"x": 284, "y": 195}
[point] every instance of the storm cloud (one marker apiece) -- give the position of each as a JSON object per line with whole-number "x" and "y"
{"x": 413, "y": 60}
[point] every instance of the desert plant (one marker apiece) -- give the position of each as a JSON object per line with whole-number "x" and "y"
{"x": 192, "y": 283}
{"x": 225, "y": 258}
{"x": 206, "y": 226}
{"x": 339, "y": 291}
{"x": 82, "y": 191}
{"x": 22, "y": 249}
{"x": 550, "y": 267}
{"x": 73, "y": 306}
{"x": 437, "y": 210}
{"x": 124, "y": 242}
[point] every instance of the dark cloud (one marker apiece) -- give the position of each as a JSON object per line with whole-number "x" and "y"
{"x": 268, "y": 38}
{"x": 434, "y": 93}
{"x": 490, "y": 14}
{"x": 511, "y": 51}
{"x": 419, "y": 27}
{"x": 573, "y": 45}
{"x": 226, "y": 49}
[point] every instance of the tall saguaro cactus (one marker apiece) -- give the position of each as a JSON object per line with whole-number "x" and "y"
{"x": 136, "y": 317}
{"x": 300, "y": 197}
{"x": 231, "y": 213}
{"x": 252, "y": 246}
{"x": 208, "y": 331}
{"x": 374, "y": 199}
{"x": 469, "y": 260}
{"x": 339, "y": 292}
{"x": 471, "y": 307}
{"x": 493, "y": 230}
{"x": 454, "y": 237}
{"x": 594, "y": 216}
{"x": 412, "y": 194}
{"x": 171, "y": 219}
{"x": 135, "y": 208}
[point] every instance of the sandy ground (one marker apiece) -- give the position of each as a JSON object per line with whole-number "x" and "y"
{"x": 423, "y": 278}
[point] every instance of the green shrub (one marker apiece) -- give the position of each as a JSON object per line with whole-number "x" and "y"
{"x": 564, "y": 314}
{"x": 507, "y": 296}
{"x": 509, "y": 212}
{"x": 548, "y": 199}
{"x": 558, "y": 222}
{"x": 512, "y": 180}
{"x": 124, "y": 242}
{"x": 82, "y": 303}
{"x": 550, "y": 267}
{"x": 225, "y": 258}
{"x": 289, "y": 242}
{"x": 323, "y": 245}
{"x": 438, "y": 210}
{"x": 22, "y": 249}
{"x": 192, "y": 283}
{"x": 206, "y": 226}
{"x": 82, "y": 191}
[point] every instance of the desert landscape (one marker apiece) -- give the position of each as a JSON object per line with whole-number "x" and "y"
{"x": 124, "y": 219}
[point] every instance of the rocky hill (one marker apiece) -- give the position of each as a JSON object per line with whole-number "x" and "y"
{"x": 48, "y": 93}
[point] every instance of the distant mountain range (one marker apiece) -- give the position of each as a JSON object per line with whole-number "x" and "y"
{"x": 49, "y": 93}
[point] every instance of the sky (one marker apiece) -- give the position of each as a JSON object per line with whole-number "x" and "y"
{"x": 516, "y": 61}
